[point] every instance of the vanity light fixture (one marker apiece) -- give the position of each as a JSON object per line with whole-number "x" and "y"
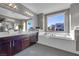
{"x": 29, "y": 13}
{"x": 12, "y": 5}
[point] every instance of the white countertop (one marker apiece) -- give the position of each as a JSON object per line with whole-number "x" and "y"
{"x": 6, "y": 34}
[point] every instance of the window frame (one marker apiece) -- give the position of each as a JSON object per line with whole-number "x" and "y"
{"x": 55, "y": 15}
{"x": 58, "y": 12}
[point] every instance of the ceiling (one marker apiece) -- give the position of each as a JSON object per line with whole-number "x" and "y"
{"x": 46, "y": 7}
{"x": 11, "y": 14}
{"x": 16, "y": 13}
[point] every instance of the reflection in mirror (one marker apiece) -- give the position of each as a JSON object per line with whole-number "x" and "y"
{"x": 11, "y": 25}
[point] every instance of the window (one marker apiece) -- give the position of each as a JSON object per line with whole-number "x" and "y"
{"x": 55, "y": 22}
{"x": 29, "y": 25}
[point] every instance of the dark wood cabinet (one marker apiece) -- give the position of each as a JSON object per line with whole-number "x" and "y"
{"x": 14, "y": 44}
{"x": 5, "y": 46}
{"x": 17, "y": 44}
{"x": 25, "y": 42}
{"x": 34, "y": 38}
{"x": 5, "y": 49}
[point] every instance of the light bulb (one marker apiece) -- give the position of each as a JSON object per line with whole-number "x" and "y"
{"x": 14, "y": 7}
{"x": 10, "y": 4}
{"x": 29, "y": 13}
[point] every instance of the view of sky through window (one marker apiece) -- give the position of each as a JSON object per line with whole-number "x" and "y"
{"x": 56, "y": 22}
{"x": 29, "y": 24}
{"x": 55, "y": 19}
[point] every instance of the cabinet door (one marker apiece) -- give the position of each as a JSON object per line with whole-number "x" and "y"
{"x": 17, "y": 44}
{"x": 5, "y": 49}
{"x": 25, "y": 42}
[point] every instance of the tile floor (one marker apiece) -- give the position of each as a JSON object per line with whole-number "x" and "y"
{"x": 41, "y": 50}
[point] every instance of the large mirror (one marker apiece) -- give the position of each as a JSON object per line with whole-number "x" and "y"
{"x": 7, "y": 25}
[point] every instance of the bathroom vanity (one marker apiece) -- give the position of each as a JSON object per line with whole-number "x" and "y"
{"x": 12, "y": 44}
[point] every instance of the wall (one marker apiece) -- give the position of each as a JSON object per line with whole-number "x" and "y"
{"x": 67, "y": 21}
{"x": 40, "y": 20}
{"x": 35, "y": 21}
{"x": 75, "y": 22}
{"x": 74, "y": 15}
